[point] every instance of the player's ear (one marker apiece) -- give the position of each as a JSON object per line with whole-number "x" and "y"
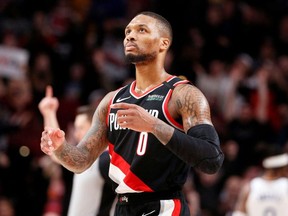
{"x": 164, "y": 44}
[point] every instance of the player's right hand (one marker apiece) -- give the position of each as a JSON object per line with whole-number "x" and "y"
{"x": 51, "y": 140}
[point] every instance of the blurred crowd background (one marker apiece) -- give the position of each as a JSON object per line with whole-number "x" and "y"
{"x": 235, "y": 51}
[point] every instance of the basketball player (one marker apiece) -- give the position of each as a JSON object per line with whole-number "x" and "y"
{"x": 156, "y": 128}
{"x": 91, "y": 193}
{"x": 266, "y": 195}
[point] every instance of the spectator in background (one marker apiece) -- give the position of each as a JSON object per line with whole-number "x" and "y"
{"x": 91, "y": 192}
{"x": 56, "y": 190}
{"x": 6, "y": 207}
{"x": 74, "y": 88}
{"x": 231, "y": 165}
{"x": 40, "y": 74}
{"x": 19, "y": 155}
{"x": 213, "y": 83}
{"x": 20, "y": 107}
{"x": 248, "y": 134}
{"x": 208, "y": 186}
{"x": 192, "y": 196}
{"x": 229, "y": 194}
{"x": 236, "y": 86}
{"x": 250, "y": 109}
{"x": 266, "y": 194}
{"x": 110, "y": 61}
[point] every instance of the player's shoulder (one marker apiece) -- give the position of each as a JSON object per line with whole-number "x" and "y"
{"x": 104, "y": 104}
{"x": 108, "y": 97}
{"x": 187, "y": 88}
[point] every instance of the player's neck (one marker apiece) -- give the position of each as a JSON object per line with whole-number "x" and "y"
{"x": 146, "y": 80}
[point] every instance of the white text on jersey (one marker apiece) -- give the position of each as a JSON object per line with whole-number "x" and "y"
{"x": 113, "y": 125}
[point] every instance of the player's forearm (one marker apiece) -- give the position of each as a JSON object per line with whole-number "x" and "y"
{"x": 79, "y": 158}
{"x": 200, "y": 147}
{"x": 162, "y": 131}
{"x": 72, "y": 158}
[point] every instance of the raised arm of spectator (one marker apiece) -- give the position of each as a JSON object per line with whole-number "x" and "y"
{"x": 48, "y": 107}
{"x": 263, "y": 94}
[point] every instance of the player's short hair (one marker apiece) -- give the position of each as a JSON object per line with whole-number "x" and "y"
{"x": 164, "y": 24}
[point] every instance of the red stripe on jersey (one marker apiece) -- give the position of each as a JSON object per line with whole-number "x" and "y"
{"x": 166, "y": 112}
{"x": 135, "y": 183}
{"x": 138, "y": 95}
{"x": 110, "y": 148}
{"x": 130, "y": 179}
{"x": 177, "y": 208}
{"x": 118, "y": 161}
{"x": 165, "y": 107}
{"x": 181, "y": 82}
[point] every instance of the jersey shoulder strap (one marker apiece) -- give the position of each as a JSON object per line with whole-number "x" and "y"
{"x": 174, "y": 81}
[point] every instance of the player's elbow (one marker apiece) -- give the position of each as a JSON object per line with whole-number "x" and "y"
{"x": 211, "y": 165}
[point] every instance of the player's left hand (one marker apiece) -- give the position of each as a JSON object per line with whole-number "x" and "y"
{"x": 134, "y": 117}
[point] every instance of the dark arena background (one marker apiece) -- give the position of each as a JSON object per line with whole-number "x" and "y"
{"x": 234, "y": 51}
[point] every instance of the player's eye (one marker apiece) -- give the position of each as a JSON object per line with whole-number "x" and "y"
{"x": 127, "y": 32}
{"x": 142, "y": 30}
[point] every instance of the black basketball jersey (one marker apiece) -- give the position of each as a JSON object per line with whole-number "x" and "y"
{"x": 139, "y": 162}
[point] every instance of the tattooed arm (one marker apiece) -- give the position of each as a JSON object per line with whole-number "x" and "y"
{"x": 188, "y": 103}
{"x": 78, "y": 158}
{"x": 199, "y": 146}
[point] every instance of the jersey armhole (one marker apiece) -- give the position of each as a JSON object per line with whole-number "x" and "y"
{"x": 166, "y": 112}
{"x": 109, "y": 104}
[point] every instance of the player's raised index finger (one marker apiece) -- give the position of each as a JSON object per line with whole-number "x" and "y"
{"x": 49, "y": 91}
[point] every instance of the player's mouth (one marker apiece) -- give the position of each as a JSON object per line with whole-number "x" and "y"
{"x": 130, "y": 46}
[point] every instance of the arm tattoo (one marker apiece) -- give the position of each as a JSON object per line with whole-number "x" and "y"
{"x": 71, "y": 157}
{"x": 163, "y": 131}
{"x": 80, "y": 157}
{"x": 188, "y": 105}
{"x": 193, "y": 107}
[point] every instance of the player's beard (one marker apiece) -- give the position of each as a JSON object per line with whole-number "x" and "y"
{"x": 131, "y": 58}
